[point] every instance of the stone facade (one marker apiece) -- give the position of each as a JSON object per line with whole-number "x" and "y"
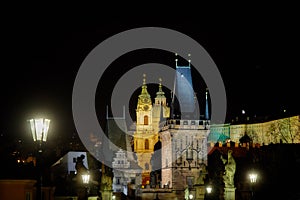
{"x": 184, "y": 158}
{"x": 124, "y": 173}
{"x": 285, "y": 130}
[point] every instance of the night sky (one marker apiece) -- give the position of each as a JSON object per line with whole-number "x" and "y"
{"x": 42, "y": 52}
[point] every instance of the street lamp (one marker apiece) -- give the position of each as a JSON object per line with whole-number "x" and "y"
{"x": 253, "y": 178}
{"x": 208, "y": 192}
{"x": 85, "y": 180}
{"x": 208, "y": 189}
{"x": 39, "y": 130}
{"x": 191, "y": 196}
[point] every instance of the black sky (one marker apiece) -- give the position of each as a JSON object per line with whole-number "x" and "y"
{"x": 42, "y": 52}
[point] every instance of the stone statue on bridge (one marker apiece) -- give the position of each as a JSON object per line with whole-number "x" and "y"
{"x": 230, "y": 167}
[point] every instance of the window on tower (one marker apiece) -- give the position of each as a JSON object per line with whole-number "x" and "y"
{"x": 146, "y": 144}
{"x": 146, "y": 120}
{"x": 118, "y": 180}
{"x": 190, "y": 181}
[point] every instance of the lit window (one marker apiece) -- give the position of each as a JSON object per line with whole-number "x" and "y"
{"x": 145, "y": 120}
{"x": 146, "y": 144}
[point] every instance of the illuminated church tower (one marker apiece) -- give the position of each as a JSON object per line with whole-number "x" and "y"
{"x": 148, "y": 120}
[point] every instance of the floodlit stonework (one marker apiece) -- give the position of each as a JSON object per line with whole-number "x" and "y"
{"x": 285, "y": 130}
{"x": 148, "y": 121}
{"x": 172, "y": 152}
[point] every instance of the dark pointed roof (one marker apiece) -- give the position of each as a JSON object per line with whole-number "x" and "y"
{"x": 116, "y": 132}
{"x": 184, "y": 89}
{"x": 245, "y": 139}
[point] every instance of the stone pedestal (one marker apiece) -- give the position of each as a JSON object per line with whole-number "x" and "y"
{"x": 229, "y": 193}
{"x": 200, "y": 192}
{"x": 106, "y": 195}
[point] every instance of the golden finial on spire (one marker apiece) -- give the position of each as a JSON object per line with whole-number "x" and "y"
{"x": 144, "y": 79}
{"x": 160, "y": 92}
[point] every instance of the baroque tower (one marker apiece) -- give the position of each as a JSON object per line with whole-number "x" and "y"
{"x": 149, "y": 119}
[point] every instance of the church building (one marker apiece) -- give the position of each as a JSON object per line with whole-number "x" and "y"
{"x": 149, "y": 117}
{"x": 171, "y": 142}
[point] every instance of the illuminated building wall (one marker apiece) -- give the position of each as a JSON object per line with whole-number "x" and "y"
{"x": 285, "y": 130}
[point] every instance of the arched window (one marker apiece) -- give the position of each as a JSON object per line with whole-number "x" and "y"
{"x": 146, "y": 120}
{"x": 146, "y": 144}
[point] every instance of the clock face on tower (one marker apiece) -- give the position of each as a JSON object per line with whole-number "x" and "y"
{"x": 146, "y": 107}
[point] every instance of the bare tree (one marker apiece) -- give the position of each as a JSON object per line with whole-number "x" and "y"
{"x": 287, "y": 130}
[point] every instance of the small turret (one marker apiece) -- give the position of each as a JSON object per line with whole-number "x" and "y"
{"x": 144, "y": 97}
{"x": 160, "y": 95}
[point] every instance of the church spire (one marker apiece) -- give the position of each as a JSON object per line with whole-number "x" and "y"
{"x": 206, "y": 105}
{"x": 144, "y": 87}
{"x": 144, "y": 97}
{"x": 144, "y": 79}
{"x": 160, "y": 94}
{"x": 184, "y": 92}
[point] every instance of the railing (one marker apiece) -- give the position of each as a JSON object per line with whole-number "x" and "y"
{"x": 187, "y": 124}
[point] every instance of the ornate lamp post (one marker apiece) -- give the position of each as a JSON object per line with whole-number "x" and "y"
{"x": 85, "y": 178}
{"x": 208, "y": 189}
{"x": 85, "y": 181}
{"x": 208, "y": 192}
{"x": 253, "y": 178}
{"x": 39, "y": 130}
